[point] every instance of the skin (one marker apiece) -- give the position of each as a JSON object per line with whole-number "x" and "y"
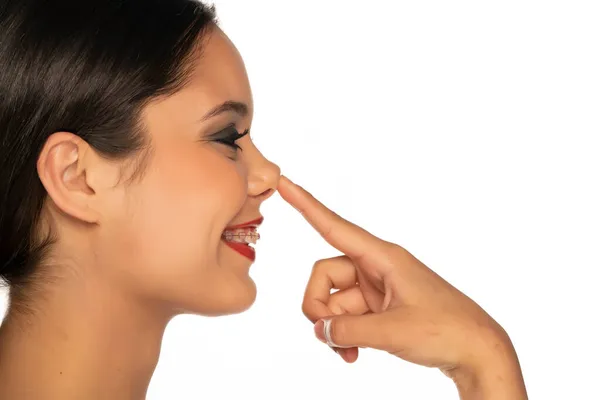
{"x": 118, "y": 273}
{"x": 388, "y": 300}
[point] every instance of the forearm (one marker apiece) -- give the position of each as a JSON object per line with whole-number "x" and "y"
{"x": 497, "y": 376}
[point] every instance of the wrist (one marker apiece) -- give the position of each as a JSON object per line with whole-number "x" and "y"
{"x": 494, "y": 374}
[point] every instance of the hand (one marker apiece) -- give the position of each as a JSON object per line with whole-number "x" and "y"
{"x": 386, "y": 299}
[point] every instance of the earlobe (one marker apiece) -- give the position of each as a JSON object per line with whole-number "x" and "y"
{"x": 63, "y": 173}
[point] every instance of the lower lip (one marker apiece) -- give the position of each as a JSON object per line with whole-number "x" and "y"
{"x": 243, "y": 249}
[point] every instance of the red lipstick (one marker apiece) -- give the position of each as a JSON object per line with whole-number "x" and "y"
{"x": 242, "y": 249}
{"x": 255, "y": 222}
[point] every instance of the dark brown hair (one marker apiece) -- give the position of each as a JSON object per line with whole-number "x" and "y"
{"x": 86, "y": 67}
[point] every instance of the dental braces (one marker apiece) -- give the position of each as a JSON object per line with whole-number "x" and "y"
{"x": 242, "y": 236}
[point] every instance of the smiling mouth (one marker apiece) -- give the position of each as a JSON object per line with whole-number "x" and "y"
{"x": 247, "y": 236}
{"x": 242, "y": 237}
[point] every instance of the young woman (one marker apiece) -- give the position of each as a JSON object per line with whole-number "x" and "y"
{"x": 130, "y": 191}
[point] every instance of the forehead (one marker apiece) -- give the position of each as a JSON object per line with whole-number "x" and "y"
{"x": 220, "y": 74}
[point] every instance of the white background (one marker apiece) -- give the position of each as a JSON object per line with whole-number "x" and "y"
{"x": 466, "y": 131}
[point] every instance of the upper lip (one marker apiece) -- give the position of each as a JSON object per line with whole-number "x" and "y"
{"x": 253, "y": 223}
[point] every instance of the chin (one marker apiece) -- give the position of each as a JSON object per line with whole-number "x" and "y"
{"x": 241, "y": 300}
{"x": 233, "y": 300}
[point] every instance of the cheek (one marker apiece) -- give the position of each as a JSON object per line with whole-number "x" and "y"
{"x": 183, "y": 204}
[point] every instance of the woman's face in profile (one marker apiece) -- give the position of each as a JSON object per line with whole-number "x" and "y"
{"x": 162, "y": 234}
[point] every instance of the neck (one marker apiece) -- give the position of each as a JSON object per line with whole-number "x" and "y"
{"x": 85, "y": 341}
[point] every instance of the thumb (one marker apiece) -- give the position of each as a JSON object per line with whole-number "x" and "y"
{"x": 377, "y": 330}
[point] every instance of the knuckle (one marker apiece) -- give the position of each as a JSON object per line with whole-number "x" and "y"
{"x": 395, "y": 248}
{"x": 325, "y": 264}
{"x": 311, "y": 309}
{"x": 336, "y": 307}
{"x": 306, "y": 309}
{"x": 397, "y": 254}
{"x": 319, "y": 265}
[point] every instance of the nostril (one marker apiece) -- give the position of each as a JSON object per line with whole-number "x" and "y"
{"x": 266, "y": 194}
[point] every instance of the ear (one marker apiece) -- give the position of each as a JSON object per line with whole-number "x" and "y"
{"x": 63, "y": 171}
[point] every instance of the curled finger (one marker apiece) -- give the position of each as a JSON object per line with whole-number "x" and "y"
{"x": 332, "y": 273}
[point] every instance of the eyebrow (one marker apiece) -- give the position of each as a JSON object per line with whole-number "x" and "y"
{"x": 229, "y": 106}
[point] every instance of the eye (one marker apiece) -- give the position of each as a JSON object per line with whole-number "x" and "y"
{"x": 229, "y": 136}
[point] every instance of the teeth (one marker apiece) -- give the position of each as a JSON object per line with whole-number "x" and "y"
{"x": 247, "y": 235}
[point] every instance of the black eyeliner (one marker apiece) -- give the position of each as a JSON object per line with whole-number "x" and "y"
{"x": 228, "y": 136}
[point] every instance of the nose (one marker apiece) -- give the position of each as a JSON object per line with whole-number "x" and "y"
{"x": 263, "y": 177}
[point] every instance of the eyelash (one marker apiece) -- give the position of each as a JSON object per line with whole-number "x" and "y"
{"x": 231, "y": 139}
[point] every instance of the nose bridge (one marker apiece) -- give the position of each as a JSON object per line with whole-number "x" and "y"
{"x": 263, "y": 174}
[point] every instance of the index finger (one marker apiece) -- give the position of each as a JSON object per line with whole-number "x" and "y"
{"x": 345, "y": 236}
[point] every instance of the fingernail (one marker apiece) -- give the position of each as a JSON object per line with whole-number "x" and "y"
{"x": 291, "y": 182}
{"x": 285, "y": 178}
{"x": 320, "y": 331}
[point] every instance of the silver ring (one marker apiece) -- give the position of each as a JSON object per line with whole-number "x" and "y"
{"x": 327, "y": 329}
